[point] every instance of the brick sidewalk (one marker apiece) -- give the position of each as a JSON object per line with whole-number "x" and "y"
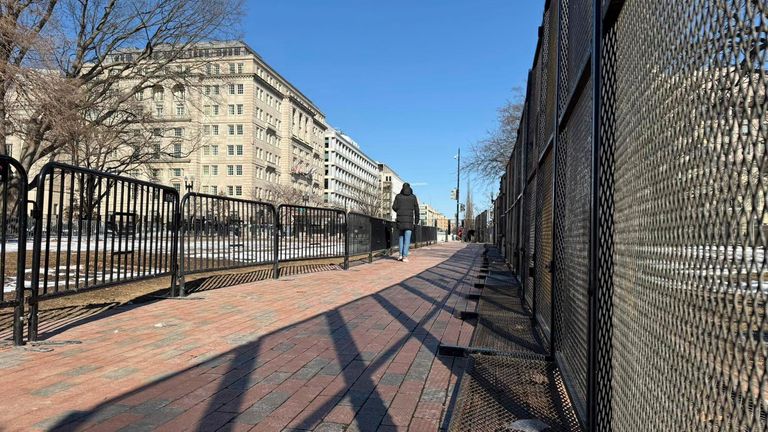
{"x": 330, "y": 351}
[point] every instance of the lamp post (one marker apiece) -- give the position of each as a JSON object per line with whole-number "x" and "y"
{"x": 458, "y": 180}
{"x": 189, "y": 183}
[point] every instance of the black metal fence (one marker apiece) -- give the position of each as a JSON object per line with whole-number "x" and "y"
{"x": 223, "y": 233}
{"x": 89, "y": 229}
{"x": 633, "y": 208}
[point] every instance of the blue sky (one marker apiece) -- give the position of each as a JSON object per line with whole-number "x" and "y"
{"x": 409, "y": 80}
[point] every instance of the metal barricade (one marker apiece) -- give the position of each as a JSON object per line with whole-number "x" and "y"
{"x": 223, "y": 233}
{"x": 94, "y": 229}
{"x": 312, "y": 232}
{"x": 13, "y": 242}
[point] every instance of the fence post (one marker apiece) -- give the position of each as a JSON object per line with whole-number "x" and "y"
{"x": 370, "y": 239}
{"x": 276, "y": 242}
{"x": 177, "y": 251}
{"x": 346, "y": 241}
{"x": 37, "y": 244}
{"x": 21, "y": 216}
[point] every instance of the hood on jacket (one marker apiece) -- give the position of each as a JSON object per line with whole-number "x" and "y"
{"x": 406, "y": 189}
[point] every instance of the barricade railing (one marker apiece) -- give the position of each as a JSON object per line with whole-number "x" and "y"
{"x": 311, "y": 233}
{"x": 224, "y": 233}
{"x": 89, "y": 229}
{"x": 94, "y": 229}
{"x": 13, "y": 240}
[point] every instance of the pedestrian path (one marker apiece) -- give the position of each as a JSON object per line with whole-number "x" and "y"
{"x": 352, "y": 350}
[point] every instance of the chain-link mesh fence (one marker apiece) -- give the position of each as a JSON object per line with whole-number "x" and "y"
{"x": 641, "y": 167}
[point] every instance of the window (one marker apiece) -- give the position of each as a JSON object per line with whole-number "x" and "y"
{"x": 205, "y": 189}
{"x": 214, "y": 190}
{"x": 216, "y": 69}
{"x": 214, "y": 130}
{"x": 207, "y": 110}
{"x": 216, "y": 89}
{"x": 239, "y": 109}
{"x": 238, "y": 170}
{"x": 231, "y": 150}
{"x": 180, "y": 111}
{"x": 177, "y": 150}
{"x": 157, "y": 132}
{"x": 215, "y": 150}
{"x": 207, "y": 90}
{"x": 206, "y": 129}
{"x": 231, "y": 109}
{"x": 238, "y": 190}
{"x": 139, "y": 95}
{"x": 158, "y": 110}
{"x": 230, "y": 170}
{"x": 178, "y": 92}
{"x": 239, "y": 129}
{"x": 177, "y": 172}
{"x": 230, "y": 190}
{"x": 157, "y": 93}
{"x": 239, "y": 149}
{"x": 214, "y": 170}
{"x": 206, "y": 170}
{"x": 240, "y": 89}
{"x": 231, "y": 89}
{"x": 239, "y": 68}
{"x": 231, "y": 129}
{"x": 178, "y": 132}
{"x": 215, "y": 110}
{"x": 177, "y": 186}
{"x": 232, "y": 68}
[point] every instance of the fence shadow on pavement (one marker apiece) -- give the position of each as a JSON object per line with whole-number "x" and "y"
{"x": 244, "y": 385}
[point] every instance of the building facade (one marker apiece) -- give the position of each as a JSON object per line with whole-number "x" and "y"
{"x": 236, "y": 128}
{"x": 390, "y": 185}
{"x": 431, "y": 217}
{"x": 351, "y": 178}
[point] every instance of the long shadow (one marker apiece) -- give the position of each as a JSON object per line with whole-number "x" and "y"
{"x": 376, "y": 411}
{"x": 242, "y": 369}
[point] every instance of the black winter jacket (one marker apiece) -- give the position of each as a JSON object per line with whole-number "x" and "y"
{"x": 407, "y": 208}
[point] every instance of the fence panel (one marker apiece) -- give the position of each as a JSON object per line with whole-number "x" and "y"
{"x": 359, "y": 233}
{"x": 13, "y": 242}
{"x": 221, "y": 233}
{"x": 684, "y": 127}
{"x": 311, "y": 232}
{"x": 529, "y": 258}
{"x": 382, "y": 235}
{"x": 94, "y": 229}
{"x": 543, "y": 259}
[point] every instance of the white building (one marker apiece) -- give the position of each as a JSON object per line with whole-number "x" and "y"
{"x": 390, "y": 185}
{"x": 351, "y": 177}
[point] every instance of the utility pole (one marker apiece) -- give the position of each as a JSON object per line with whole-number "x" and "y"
{"x": 458, "y": 180}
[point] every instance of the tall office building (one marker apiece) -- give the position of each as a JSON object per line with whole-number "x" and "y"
{"x": 351, "y": 177}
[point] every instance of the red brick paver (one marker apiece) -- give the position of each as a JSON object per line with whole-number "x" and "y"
{"x": 333, "y": 351}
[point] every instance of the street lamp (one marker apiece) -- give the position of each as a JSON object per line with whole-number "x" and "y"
{"x": 189, "y": 183}
{"x": 458, "y": 180}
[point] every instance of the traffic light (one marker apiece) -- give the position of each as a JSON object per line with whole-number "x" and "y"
{"x": 453, "y": 194}
{"x": 463, "y": 207}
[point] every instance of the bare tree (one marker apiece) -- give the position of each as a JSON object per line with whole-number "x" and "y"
{"x": 366, "y": 201}
{"x": 73, "y": 74}
{"x": 489, "y": 156}
{"x": 289, "y": 195}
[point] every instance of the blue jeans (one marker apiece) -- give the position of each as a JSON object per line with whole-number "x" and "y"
{"x": 405, "y": 242}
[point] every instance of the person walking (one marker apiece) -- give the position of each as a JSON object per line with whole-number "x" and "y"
{"x": 406, "y": 205}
